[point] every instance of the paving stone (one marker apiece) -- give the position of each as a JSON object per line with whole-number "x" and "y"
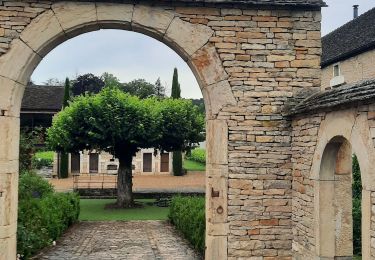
{"x": 131, "y": 240}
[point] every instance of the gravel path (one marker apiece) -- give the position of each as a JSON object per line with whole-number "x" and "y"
{"x": 133, "y": 240}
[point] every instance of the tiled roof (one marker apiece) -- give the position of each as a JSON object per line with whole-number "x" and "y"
{"x": 42, "y": 98}
{"x": 355, "y": 37}
{"x": 362, "y": 92}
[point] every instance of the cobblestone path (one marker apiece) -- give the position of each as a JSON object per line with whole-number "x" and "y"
{"x": 133, "y": 240}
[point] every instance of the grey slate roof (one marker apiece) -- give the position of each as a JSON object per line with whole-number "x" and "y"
{"x": 362, "y": 92}
{"x": 352, "y": 38}
{"x": 42, "y": 98}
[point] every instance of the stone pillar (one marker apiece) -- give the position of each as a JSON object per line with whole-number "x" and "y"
{"x": 366, "y": 224}
{"x": 9, "y": 149}
{"x": 217, "y": 190}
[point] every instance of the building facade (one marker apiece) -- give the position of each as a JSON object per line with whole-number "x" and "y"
{"x": 348, "y": 53}
{"x": 144, "y": 163}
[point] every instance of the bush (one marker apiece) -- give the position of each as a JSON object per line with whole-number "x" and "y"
{"x": 43, "y": 159}
{"x": 356, "y": 211}
{"x": 43, "y": 215}
{"x": 188, "y": 215}
{"x": 198, "y": 155}
{"x": 177, "y": 163}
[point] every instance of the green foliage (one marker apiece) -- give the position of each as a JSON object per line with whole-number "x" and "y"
{"x": 357, "y": 223}
{"x": 112, "y": 120}
{"x": 140, "y": 88}
{"x": 177, "y": 163}
{"x": 197, "y": 155}
{"x": 193, "y": 166}
{"x": 94, "y": 210}
{"x": 42, "y": 214}
{"x": 45, "y": 155}
{"x": 39, "y": 163}
{"x": 357, "y": 211}
{"x": 28, "y": 140}
{"x": 159, "y": 89}
{"x": 87, "y": 83}
{"x": 188, "y": 215}
{"x": 110, "y": 80}
{"x": 176, "y": 89}
{"x": 64, "y": 165}
{"x": 120, "y": 124}
{"x": 66, "y": 93}
{"x": 31, "y": 185}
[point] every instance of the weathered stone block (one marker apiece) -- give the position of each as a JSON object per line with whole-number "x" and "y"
{"x": 187, "y": 37}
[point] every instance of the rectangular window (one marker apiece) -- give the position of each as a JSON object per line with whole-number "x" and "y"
{"x": 336, "y": 70}
{"x": 147, "y": 162}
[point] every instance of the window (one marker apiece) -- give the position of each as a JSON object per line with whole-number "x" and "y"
{"x": 336, "y": 70}
{"x": 147, "y": 162}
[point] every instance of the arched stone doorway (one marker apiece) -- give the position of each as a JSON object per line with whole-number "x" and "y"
{"x": 325, "y": 189}
{"x": 66, "y": 20}
{"x": 249, "y": 57}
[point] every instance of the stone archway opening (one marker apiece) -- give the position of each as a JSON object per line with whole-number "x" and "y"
{"x": 190, "y": 41}
{"x": 335, "y": 222}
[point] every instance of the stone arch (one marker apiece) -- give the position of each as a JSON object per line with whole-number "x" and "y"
{"x": 69, "y": 19}
{"x": 341, "y": 134}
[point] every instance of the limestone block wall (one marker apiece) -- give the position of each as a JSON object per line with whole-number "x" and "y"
{"x": 249, "y": 62}
{"x": 353, "y": 69}
{"x": 311, "y": 134}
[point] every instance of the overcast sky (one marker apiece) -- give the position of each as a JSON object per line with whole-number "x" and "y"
{"x": 129, "y": 55}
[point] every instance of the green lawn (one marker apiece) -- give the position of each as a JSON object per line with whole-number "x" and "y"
{"x": 357, "y": 257}
{"x": 194, "y": 166}
{"x": 93, "y": 209}
{"x": 48, "y": 155}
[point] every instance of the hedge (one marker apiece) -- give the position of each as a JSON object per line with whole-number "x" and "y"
{"x": 198, "y": 155}
{"x": 43, "y": 215}
{"x": 188, "y": 215}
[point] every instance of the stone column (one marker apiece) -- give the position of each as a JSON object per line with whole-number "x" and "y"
{"x": 366, "y": 224}
{"x": 217, "y": 190}
{"x": 9, "y": 149}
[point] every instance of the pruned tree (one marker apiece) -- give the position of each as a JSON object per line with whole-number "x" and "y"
{"x": 64, "y": 156}
{"x": 87, "y": 83}
{"x": 120, "y": 124}
{"x": 177, "y": 154}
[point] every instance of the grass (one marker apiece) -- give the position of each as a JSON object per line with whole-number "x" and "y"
{"x": 356, "y": 257}
{"x": 93, "y": 209}
{"x": 48, "y": 155}
{"x": 194, "y": 166}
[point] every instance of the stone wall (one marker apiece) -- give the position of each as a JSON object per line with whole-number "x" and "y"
{"x": 354, "y": 69}
{"x": 248, "y": 62}
{"x": 311, "y": 135}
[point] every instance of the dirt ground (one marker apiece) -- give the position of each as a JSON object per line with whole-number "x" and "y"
{"x": 191, "y": 181}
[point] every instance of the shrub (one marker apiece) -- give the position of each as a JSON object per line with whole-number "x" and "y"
{"x": 43, "y": 159}
{"x": 177, "y": 163}
{"x": 188, "y": 215}
{"x": 31, "y": 185}
{"x": 198, "y": 155}
{"x": 356, "y": 211}
{"x": 43, "y": 215}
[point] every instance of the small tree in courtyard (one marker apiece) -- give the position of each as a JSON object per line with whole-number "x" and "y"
{"x": 177, "y": 154}
{"x": 64, "y": 164}
{"x": 120, "y": 124}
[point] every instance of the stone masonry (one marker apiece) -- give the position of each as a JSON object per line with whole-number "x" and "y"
{"x": 250, "y": 59}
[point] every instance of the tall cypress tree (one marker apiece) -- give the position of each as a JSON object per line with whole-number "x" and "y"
{"x": 176, "y": 90}
{"x": 176, "y": 155}
{"x": 64, "y": 163}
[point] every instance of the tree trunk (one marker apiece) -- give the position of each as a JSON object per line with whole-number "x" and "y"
{"x": 125, "y": 182}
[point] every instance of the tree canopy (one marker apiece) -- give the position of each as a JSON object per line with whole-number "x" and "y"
{"x": 121, "y": 124}
{"x": 87, "y": 83}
